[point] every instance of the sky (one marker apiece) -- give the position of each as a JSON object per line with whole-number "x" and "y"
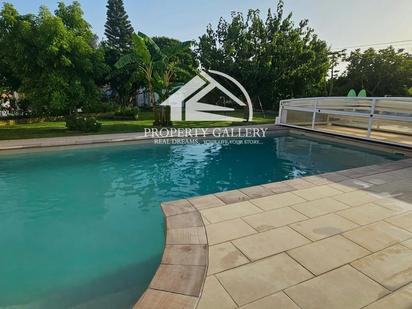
{"x": 342, "y": 23}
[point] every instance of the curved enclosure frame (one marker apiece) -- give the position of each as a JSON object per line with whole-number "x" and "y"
{"x": 385, "y": 119}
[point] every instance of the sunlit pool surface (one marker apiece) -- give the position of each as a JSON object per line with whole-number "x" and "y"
{"x": 83, "y": 228}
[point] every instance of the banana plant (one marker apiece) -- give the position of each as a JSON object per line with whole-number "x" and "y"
{"x": 156, "y": 68}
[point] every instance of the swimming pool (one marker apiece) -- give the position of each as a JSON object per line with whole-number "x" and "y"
{"x": 83, "y": 227}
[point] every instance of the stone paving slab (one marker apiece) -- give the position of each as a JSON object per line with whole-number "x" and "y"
{"x": 232, "y": 211}
{"x": 256, "y": 280}
{"x": 319, "y": 207}
{"x": 337, "y": 240}
{"x": 277, "y": 201}
{"x": 342, "y": 288}
{"x": 215, "y": 296}
{"x": 401, "y": 299}
{"x": 377, "y": 236}
{"x": 391, "y": 267}
{"x": 269, "y": 243}
{"x": 225, "y": 256}
{"x": 324, "y": 226}
{"x": 366, "y": 214}
{"x": 403, "y": 221}
{"x": 279, "y": 300}
{"x": 327, "y": 254}
{"x": 164, "y": 300}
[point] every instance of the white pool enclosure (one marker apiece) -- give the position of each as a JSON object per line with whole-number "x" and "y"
{"x": 387, "y": 119}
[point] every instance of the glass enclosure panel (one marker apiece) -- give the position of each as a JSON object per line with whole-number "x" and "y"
{"x": 304, "y": 103}
{"x": 392, "y": 131}
{"x": 299, "y": 118}
{"x": 349, "y": 125}
{"x": 345, "y": 105}
{"x": 393, "y": 107}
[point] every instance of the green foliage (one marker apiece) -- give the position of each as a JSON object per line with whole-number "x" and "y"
{"x": 129, "y": 113}
{"x": 82, "y": 123}
{"x": 52, "y": 58}
{"x": 273, "y": 58}
{"x": 379, "y": 72}
{"x": 157, "y": 68}
{"x": 118, "y": 32}
{"x": 118, "y": 29}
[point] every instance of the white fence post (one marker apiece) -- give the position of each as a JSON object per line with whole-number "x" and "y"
{"x": 371, "y": 115}
{"x": 314, "y": 114}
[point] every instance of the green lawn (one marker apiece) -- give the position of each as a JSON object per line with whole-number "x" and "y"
{"x": 57, "y": 128}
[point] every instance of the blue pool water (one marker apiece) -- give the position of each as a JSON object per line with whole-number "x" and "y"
{"x": 83, "y": 228}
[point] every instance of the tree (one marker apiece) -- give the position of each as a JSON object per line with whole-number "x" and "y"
{"x": 118, "y": 29}
{"x": 180, "y": 55}
{"x": 156, "y": 67}
{"x": 380, "y": 72}
{"x": 273, "y": 58}
{"x": 118, "y": 32}
{"x": 335, "y": 58}
{"x": 52, "y": 58}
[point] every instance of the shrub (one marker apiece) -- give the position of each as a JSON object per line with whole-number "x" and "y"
{"x": 131, "y": 113}
{"x": 82, "y": 123}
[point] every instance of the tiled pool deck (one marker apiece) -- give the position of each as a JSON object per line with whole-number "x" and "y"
{"x": 336, "y": 240}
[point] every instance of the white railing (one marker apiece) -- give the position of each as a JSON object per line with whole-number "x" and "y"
{"x": 386, "y": 118}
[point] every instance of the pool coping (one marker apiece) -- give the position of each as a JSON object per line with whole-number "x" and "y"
{"x": 79, "y": 140}
{"x": 180, "y": 278}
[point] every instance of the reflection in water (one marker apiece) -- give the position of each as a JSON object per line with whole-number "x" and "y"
{"x": 84, "y": 228}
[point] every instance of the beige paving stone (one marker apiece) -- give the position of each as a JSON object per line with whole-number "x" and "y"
{"x": 256, "y": 192}
{"x": 400, "y": 299}
{"x": 391, "y": 267}
{"x": 276, "y": 301}
{"x": 277, "y": 201}
{"x": 164, "y": 300}
{"x": 231, "y": 211}
{"x": 205, "y": 221}
{"x": 327, "y": 254}
{"x": 403, "y": 221}
{"x": 274, "y": 218}
{"x": 366, "y": 214}
{"x": 186, "y": 236}
{"x": 317, "y": 192}
{"x": 377, "y": 236}
{"x": 252, "y": 281}
{"x": 223, "y": 257}
{"x": 278, "y": 187}
{"x": 227, "y": 230}
{"x": 230, "y": 197}
{"x": 205, "y": 202}
{"x": 180, "y": 279}
{"x": 342, "y": 288}
{"x": 214, "y": 296}
{"x": 177, "y": 207}
{"x": 324, "y": 226}
{"x": 357, "y": 198}
{"x": 394, "y": 204}
{"x": 190, "y": 219}
{"x": 185, "y": 255}
{"x": 342, "y": 187}
{"x": 318, "y": 180}
{"x": 319, "y": 207}
{"x": 356, "y": 184}
{"x": 408, "y": 243}
{"x": 334, "y": 177}
{"x": 268, "y": 243}
{"x": 299, "y": 183}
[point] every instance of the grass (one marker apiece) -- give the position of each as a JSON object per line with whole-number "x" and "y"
{"x": 58, "y": 128}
